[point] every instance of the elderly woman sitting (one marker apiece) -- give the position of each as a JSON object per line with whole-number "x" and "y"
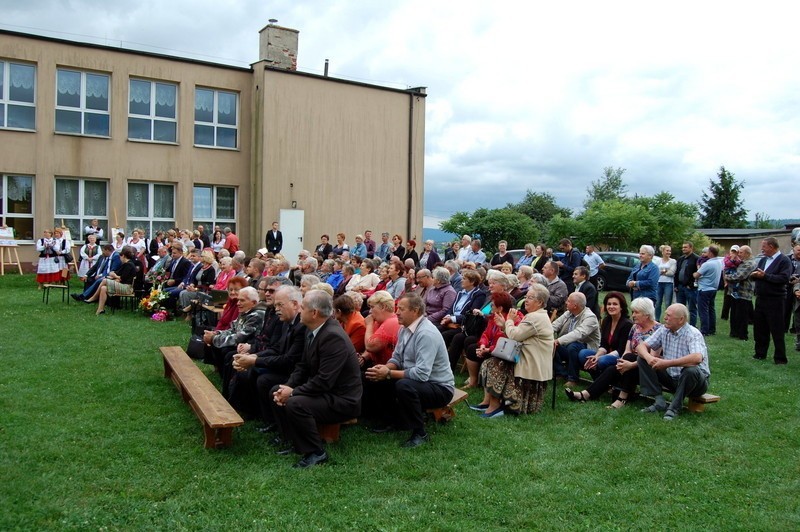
{"x": 346, "y": 312}
{"x": 381, "y": 330}
{"x": 204, "y": 279}
{"x": 476, "y": 351}
{"x": 624, "y": 375}
{"x": 396, "y": 285}
{"x": 519, "y": 388}
{"x": 118, "y": 282}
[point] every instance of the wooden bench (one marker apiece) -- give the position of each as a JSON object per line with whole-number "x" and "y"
{"x": 446, "y": 413}
{"x": 698, "y": 404}
{"x": 330, "y": 433}
{"x": 217, "y": 416}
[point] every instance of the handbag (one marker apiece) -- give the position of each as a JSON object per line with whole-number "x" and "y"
{"x": 474, "y": 325}
{"x": 508, "y": 350}
{"x": 196, "y": 348}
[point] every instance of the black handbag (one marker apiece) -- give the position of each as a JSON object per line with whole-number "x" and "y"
{"x": 196, "y": 348}
{"x": 474, "y": 325}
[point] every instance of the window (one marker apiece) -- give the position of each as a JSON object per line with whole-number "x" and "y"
{"x": 151, "y": 206}
{"x": 17, "y": 96}
{"x": 16, "y": 205}
{"x": 152, "y": 111}
{"x": 78, "y": 202}
{"x": 216, "y": 118}
{"x": 214, "y": 206}
{"x": 82, "y": 103}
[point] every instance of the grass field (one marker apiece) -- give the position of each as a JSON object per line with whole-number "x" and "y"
{"x": 93, "y": 437}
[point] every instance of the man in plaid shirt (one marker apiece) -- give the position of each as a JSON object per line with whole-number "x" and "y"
{"x": 741, "y": 289}
{"x": 682, "y": 367}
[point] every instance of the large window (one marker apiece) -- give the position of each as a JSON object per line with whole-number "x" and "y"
{"x": 16, "y": 205}
{"x": 78, "y": 202}
{"x": 152, "y": 111}
{"x": 82, "y": 103}
{"x": 17, "y": 95}
{"x": 216, "y": 118}
{"x": 214, "y": 206}
{"x": 151, "y": 206}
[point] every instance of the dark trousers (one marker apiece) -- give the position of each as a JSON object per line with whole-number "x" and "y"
{"x": 91, "y": 288}
{"x": 610, "y": 376}
{"x": 708, "y": 315}
{"x": 265, "y": 382}
{"x": 298, "y": 419}
{"x": 691, "y": 383}
{"x": 454, "y": 339}
{"x": 768, "y": 321}
{"x": 727, "y": 302}
{"x": 565, "y": 363}
{"x": 741, "y": 312}
{"x": 788, "y": 310}
{"x": 686, "y": 295}
{"x": 403, "y": 402}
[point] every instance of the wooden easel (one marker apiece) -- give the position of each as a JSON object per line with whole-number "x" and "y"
{"x": 6, "y": 249}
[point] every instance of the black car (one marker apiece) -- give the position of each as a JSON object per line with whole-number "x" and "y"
{"x": 614, "y": 273}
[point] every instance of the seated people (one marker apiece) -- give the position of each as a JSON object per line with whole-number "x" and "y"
{"x": 173, "y": 289}
{"x": 325, "y": 386}
{"x": 204, "y": 277}
{"x": 575, "y": 330}
{"x": 258, "y": 371}
{"x": 519, "y": 388}
{"x": 556, "y": 287}
{"x": 351, "y": 320}
{"x": 681, "y": 367}
{"x": 580, "y": 278}
{"x": 439, "y": 297}
{"x": 381, "y": 330}
{"x": 479, "y": 350}
{"x": 118, "y": 282}
{"x": 624, "y": 375}
{"x": 471, "y": 297}
{"x": 418, "y": 375}
{"x": 107, "y": 263}
{"x": 397, "y": 281}
{"x": 614, "y": 329}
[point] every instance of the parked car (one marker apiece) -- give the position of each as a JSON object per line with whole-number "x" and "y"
{"x": 617, "y": 268}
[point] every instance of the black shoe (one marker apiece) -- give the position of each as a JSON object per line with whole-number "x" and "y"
{"x": 271, "y": 427}
{"x": 311, "y": 459}
{"x": 286, "y": 452}
{"x": 77, "y": 297}
{"x": 759, "y": 358}
{"x": 781, "y": 361}
{"x": 415, "y": 440}
{"x": 382, "y": 429}
{"x": 277, "y": 441}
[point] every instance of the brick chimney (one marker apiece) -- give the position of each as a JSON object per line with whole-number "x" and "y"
{"x": 278, "y": 46}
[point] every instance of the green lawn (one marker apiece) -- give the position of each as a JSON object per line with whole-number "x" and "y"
{"x": 93, "y": 437}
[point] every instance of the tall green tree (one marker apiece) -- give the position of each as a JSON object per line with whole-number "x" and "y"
{"x": 674, "y": 220}
{"x": 610, "y": 186}
{"x": 541, "y": 207}
{"x": 722, "y": 206}
{"x": 492, "y": 226}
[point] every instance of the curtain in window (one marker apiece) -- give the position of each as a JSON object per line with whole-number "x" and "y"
{"x": 202, "y": 202}
{"x": 163, "y": 201}
{"x": 226, "y": 203}
{"x": 204, "y": 100}
{"x": 20, "y": 189}
{"x": 226, "y": 103}
{"x": 94, "y": 198}
{"x": 21, "y": 83}
{"x": 138, "y": 200}
{"x": 68, "y": 82}
{"x": 140, "y": 91}
{"x": 165, "y": 100}
{"x": 97, "y": 86}
{"x": 67, "y": 197}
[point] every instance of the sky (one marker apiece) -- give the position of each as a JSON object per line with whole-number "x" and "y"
{"x": 522, "y": 95}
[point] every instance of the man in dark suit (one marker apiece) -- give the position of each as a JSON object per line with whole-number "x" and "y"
{"x": 108, "y": 262}
{"x": 325, "y": 386}
{"x": 685, "y": 289}
{"x": 274, "y": 239}
{"x": 581, "y": 279}
{"x": 179, "y": 266}
{"x": 771, "y": 278}
{"x": 193, "y": 265}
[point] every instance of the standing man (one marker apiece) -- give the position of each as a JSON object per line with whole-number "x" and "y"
{"x": 572, "y": 259}
{"x": 231, "y": 241}
{"x": 771, "y": 277}
{"x": 274, "y": 239}
{"x": 466, "y": 240}
{"x": 556, "y": 287}
{"x": 369, "y": 243}
{"x": 740, "y": 287}
{"x": 581, "y": 279}
{"x": 325, "y": 386}
{"x": 204, "y": 237}
{"x": 595, "y": 262}
{"x": 685, "y": 289}
{"x": 682, "y": 367}
{"x": 418, "y": 376}
{"x": 708, "y": 278}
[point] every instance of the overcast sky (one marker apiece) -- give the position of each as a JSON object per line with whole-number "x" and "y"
{"x": 522, "y": 95}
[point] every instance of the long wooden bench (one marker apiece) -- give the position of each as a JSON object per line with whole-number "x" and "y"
{"x": 698, "y": 404}
{"x": 446, "y": 413}
{"x": 330, "y": 433}
{"x": 217, "y": 416}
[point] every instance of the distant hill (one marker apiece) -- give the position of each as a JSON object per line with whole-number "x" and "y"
{"x": 437, "y": 235}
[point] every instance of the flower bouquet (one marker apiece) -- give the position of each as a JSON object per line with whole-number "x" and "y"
{"x": 153, "y": 301}
{"x": 161, "y": 315}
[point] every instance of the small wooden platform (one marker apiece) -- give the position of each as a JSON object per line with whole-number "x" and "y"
{"x": 698, "y": 404}
{"x": 217, "y": 416}
{"x": 446, "y": 413}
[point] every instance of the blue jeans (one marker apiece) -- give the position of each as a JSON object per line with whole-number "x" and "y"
{"x": 664, "y": 295}
{"x": 602, "y": 362}
{"x": 688, "y": 296}
{"x": 708, "y": 315}
{"x": 566, "y": 360}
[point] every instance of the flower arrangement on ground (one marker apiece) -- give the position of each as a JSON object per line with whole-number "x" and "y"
{"x": 153, "y": 301}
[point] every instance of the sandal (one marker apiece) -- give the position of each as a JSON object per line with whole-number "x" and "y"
{"x": 615, "y": 406}
{"x": 571, "y": 395}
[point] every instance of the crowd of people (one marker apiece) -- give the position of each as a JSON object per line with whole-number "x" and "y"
{"x": 379, "y": 329}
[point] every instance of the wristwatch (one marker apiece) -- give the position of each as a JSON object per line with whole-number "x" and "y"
{"x": 389, "y": 375}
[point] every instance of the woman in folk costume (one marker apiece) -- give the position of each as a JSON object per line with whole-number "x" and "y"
{"x": 48, "y": 270}
{"x": 89, "y": 254}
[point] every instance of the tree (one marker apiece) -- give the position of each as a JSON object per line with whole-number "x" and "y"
{"x": 722, "y": 206}
{"x": 541, "y": 208}
{"x": 763, "y": 221}
{"x": 492, "y": 226}
{"x": 674, "y": 220}
{"x": 609, "y": 187}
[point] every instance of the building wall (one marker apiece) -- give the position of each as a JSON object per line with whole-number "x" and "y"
{"x": 341, "y": 152}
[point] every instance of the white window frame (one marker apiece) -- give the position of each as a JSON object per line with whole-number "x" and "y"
{"x": 146, "y": 223}
{"x": 153, "y": 117}
{"x": 214, "y": 123}
{"x": 82, "y": 109}
{"x": 5, "y": 94}
{"x": 5, "y": 214}
{"x": 82, "y": 216}
{"x": 213, "y": 220}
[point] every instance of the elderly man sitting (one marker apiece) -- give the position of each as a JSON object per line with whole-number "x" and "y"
{"x": 682, "y": 367}
{"x": 575, "y": 330}
{"x": 440, "y": 297}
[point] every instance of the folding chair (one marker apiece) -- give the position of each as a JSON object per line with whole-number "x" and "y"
{"x": 62, "y": 285}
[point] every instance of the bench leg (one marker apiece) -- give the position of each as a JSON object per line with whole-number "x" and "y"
{"x": 444, "y": 414}
{"x": 217, "y": 438}
{"x": 695, "y": 406}
{"x": 329, "y": 433}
